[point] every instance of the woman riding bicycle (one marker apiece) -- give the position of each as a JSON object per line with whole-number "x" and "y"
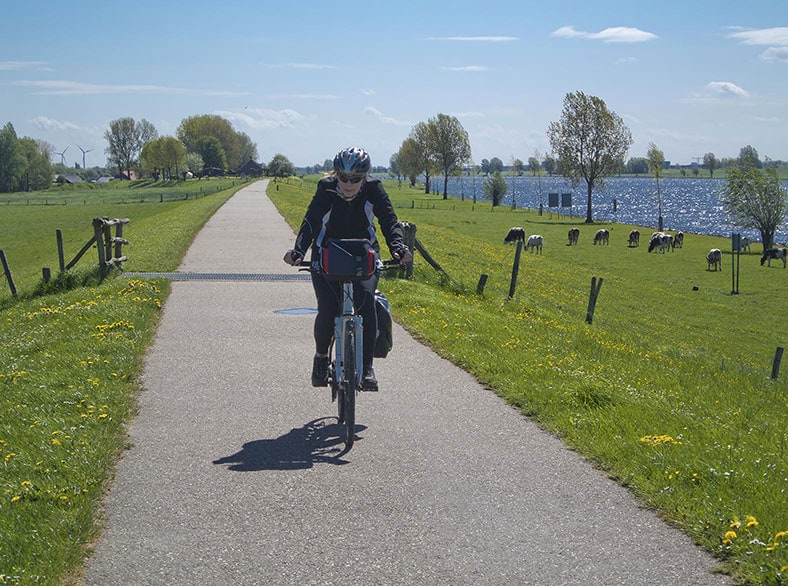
{"x": 345, "y": 205}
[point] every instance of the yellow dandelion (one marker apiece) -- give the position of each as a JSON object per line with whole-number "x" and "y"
{"x": 55, "y": 441}
{"x": 16, "y": 498}
{"x": 751, "y": 521}
{"x": 730, "y": 536}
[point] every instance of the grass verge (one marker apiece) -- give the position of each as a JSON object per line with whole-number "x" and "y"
{"x": 70, "y": 358}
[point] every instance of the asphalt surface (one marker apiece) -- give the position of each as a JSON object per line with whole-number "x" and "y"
{"x": 236, "y": 474}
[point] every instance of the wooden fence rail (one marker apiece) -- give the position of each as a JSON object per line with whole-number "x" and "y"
{"x": 110, "y": 248}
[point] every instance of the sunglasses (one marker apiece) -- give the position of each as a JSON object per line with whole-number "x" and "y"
{"x": 344, "y": 178}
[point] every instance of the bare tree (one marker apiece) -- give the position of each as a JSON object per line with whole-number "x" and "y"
{"x": 589, "y": 141}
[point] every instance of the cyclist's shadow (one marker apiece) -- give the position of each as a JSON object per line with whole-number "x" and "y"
{"x": 319, "y": 441}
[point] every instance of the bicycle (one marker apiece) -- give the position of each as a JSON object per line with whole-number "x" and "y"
{"x": 347, "y": 261}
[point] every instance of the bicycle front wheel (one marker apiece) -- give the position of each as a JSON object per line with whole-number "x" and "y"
{"x": 347, "y": 398}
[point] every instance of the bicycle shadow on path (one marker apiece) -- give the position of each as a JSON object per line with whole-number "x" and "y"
{"x": 317, "y": 442}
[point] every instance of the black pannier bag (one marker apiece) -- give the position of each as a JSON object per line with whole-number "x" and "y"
{"x": 385, "y": 338}
{"x": 348, "y": 259}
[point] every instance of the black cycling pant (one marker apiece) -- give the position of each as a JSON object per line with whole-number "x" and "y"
{"x": 329, "y": 306}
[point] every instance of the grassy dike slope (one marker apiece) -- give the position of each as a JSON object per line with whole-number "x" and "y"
{"x": 668, "y": 391}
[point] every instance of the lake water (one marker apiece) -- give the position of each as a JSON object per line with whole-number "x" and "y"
{"x": 688, "y": 204}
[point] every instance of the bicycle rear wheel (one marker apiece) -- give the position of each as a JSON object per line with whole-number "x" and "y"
{"x": 347, "y": 392}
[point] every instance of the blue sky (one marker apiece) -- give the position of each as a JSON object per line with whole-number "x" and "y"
{"x": 306, "y": 78}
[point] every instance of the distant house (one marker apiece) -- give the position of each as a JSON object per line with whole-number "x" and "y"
{"x": 251, "y": 168}
{"x": 103, "y": 179}
{"x": 70, "y": 178}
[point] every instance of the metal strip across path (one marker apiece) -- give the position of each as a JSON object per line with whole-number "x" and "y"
{"x": 235, "y": 473}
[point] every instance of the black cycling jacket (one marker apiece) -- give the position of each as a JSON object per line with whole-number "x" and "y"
{"x": 330, "y": 216}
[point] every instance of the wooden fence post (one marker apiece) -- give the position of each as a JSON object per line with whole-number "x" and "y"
{"x": 482, "y": 283}
{"x": 409, "y": 231}
{"x": 595, "y": 287}
{"x": 7, "y": 271}
{"x": 61, "y": 259}
{"x": 515, "y": 268}
{"x": 778, "y": 357}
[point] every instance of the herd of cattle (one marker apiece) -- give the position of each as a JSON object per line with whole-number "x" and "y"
{"x": 660, "y": 242}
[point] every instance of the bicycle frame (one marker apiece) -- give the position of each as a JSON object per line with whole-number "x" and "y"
{"x": 348, "y": 319}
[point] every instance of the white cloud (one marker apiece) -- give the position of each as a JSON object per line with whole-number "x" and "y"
{"x": 775, "y": 54}
{"x": 264, "y": 118}
{"x": 24, "y": 66}
{"x": 467, "y": 68}
{"x": 476, "y": 39}
{"x": 766, "y": 36}
{"x": 75, "y": 88}
{"x": 367, "y": 92}
{"x": 726, "y": 88}
{"x": 51, "y": 124}
{"x": 304, "y": 96}
{"x": 375, "y": 113}
{"x": 618, "y": 34}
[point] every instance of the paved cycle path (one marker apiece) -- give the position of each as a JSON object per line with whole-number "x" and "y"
{"x": 236, "y": 474}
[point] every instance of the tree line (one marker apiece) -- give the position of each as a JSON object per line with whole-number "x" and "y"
{"x": 589, "y": 142}
{"x": 204, "y": 144}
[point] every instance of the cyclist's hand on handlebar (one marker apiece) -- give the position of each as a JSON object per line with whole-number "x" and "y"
{"x": 404, "y": 256}
{"x": 293, "y": 257}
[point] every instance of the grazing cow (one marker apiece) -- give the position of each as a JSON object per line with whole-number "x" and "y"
{"x": 714, "y": 258}
{"x": 660, "y": 241}
{"x": 534, "y": 243}
{"x": 776, "y": 254}
{"x": 574, "y": 235}
{"x": 678, "y": 240}
{"x": 634, "y": 238}
{"x": 514, "y": 235}
{"x": 744, "y": 244}
{"x": 602, "y": 236}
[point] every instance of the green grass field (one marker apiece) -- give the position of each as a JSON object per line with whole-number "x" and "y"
{"x": 668, "y": 391}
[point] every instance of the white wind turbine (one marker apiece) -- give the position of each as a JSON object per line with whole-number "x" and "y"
{"x": 83, "y": 155}
{"x": 63, "y": 156}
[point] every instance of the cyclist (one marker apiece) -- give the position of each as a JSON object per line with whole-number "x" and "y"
{"x": 345, "y": 205}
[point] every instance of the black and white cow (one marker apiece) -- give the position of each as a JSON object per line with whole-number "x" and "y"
{"x": 634, "y": 238}
{"x": 534, "y": 243}
{"x": 776, "y": 254}
{"x": 660, "y": 241}
{"x": 515, "y": 234}
{"x": 602, "y": 236}
{"x": 574, "y": 235}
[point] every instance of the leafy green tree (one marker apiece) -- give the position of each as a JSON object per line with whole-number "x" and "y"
{"x": 12, "y": 161}
{"x": 755, "y": 199}
{"x": 496, "y": 165}
{"x": 518, "y": 166}
{"x": 656, "y": 160}
{"x": 280, "y": 166}
{"x": 234, "y": 145}
{"x": 194, "y": 163}
{"x": 421, "y": 141}
{"x": 495, "y": 188}
{"x": 549, "y": 164}
{"x": 589, "y": 140}
{"x": 534, "y": 165}
{"x": 450, "y": 146}
{"x": 748, "y": 157}
{"x": 248, "y": 148}
{"x": 637, "y": 165}
{"x": 409, "y": 160}
{"x": 125, "y": 138}
{"x": 710, "y": 163}
{"x": 212, "y": 152}
{"x": 484, "y": 167}
{"x": 37, "y": 173}
{"x": 165, "y": 155}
